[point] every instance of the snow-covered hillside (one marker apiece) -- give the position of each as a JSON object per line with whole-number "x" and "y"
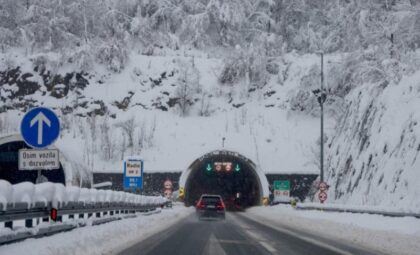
{"x": 99, "y": 120}
{"x": 168, "y": 79}
{"x": 374, "y": 156}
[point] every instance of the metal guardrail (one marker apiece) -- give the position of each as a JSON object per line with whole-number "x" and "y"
{"x": 331, "y": 208}
{"x": 102, "y": 212}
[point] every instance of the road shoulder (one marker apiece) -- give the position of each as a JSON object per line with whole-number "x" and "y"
{"x": 344, "y": 236}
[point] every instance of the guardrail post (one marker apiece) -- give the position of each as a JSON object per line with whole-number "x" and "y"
{"x": 98, "y": 215}
{"x": 111, "y": 213}
{"x": 81, "y": 216}
{"x": 8, "y": 224}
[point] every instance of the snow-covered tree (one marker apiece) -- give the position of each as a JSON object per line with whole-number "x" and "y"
{"x": 128, "y": 127}
{"x": 247, "y": 64}
{"x": 187, "y": 86}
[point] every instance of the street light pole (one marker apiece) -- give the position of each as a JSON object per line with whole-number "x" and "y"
{"x": 321, "y": 97}
{"x": 321, "y": 102}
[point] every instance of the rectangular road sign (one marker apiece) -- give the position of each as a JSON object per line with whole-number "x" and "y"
{"x": 281, "y": 190}
{"x": 38, "y": 159}
{"x": 133, "y": 174}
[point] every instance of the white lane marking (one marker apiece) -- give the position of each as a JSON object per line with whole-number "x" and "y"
{"x": 261, "y": 241}
{"x": 233, "y": 241}
{"x": 305, "y": 238}
{"x": 213, "y": 247}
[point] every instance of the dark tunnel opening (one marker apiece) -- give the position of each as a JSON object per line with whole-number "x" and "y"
{"x": 9, "y": 166}
{"x": 227, "y": 175}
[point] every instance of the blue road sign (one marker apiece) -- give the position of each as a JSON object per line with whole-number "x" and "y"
{"x": 133, "y": 174}
{"x": 40, "y": 127}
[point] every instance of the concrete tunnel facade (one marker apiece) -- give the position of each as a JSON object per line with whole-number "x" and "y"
{"x": 230, "y": 174}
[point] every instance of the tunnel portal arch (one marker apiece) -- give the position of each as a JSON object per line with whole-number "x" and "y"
{"x": 9, "y": 147}
{"x": 245, "y": 187}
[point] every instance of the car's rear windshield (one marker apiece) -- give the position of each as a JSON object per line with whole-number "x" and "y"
{"x": 211, "y": 199}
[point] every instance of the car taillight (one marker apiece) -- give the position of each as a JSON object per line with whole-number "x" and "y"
{"x": 200, "y": 204}
{"x": 220, "y": 205}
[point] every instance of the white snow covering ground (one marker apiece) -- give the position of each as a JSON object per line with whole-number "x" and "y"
{"x": 390, "y": 235}
{"x": 108, "y": 238}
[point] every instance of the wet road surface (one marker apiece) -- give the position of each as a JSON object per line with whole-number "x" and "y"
{"x": 235, "y": 235}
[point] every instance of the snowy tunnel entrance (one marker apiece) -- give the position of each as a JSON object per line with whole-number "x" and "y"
{"x": 225, "y": 173}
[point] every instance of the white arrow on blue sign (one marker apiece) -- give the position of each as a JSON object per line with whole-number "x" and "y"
{"x": 40, "y": 127}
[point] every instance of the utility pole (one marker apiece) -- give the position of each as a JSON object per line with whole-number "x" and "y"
{"x": 321, "y": 97}
{"x": 321, "y": 102}
{"x": 223, "y": 142}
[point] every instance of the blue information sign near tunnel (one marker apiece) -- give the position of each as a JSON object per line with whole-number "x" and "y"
{"x": 133, "y": 174}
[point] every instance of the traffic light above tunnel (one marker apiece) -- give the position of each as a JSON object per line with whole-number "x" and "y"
{"x": 223, "y": 166}
{"x": 209, "y": 167}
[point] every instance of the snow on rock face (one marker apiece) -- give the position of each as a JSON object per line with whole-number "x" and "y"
{"x": 374, "y": 157}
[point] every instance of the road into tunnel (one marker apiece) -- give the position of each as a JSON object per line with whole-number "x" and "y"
{"x": 228, "y": 174}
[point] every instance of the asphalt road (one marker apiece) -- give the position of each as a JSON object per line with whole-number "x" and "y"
{"x": 235, "y": 235}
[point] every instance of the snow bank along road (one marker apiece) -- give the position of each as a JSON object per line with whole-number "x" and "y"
{"x": 259, "y": 230}
{"x": 387, "y": 235}
{"x": 238, "y": 234}
{"x": 103, "y": 239}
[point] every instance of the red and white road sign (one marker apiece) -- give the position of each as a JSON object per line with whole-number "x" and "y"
{"x": 323, "y": 186}
{"x": 168, "y": 193}
{"x": 167, "y": 184}
{"x": 322, "y": 196}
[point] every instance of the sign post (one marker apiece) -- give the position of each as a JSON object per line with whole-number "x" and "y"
{"x": 281, "y": 189}
{"x": 133, "y": 173}
{"x": 323, "y": 188}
